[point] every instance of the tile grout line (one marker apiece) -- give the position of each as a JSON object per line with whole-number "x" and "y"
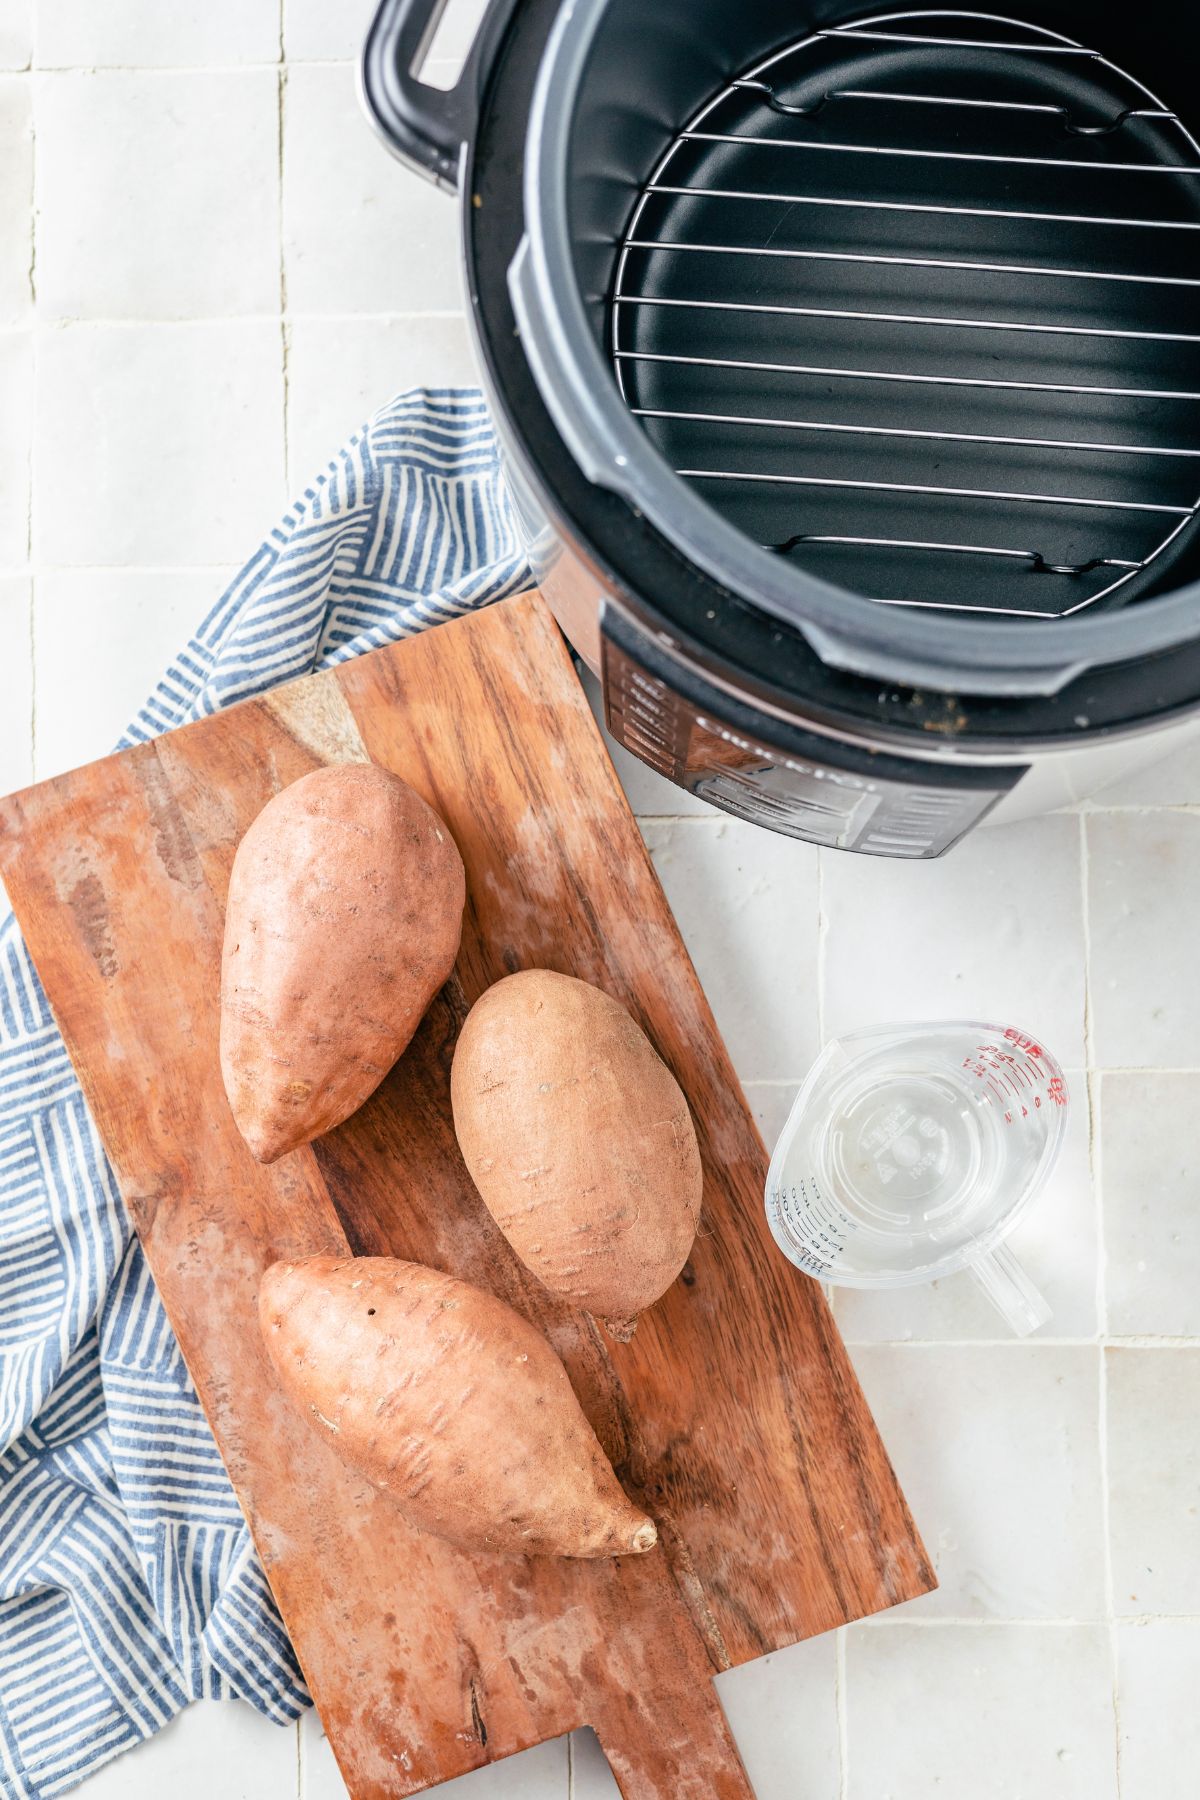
{"x": 443, "y": 63}
{"x": 1095, "y": 1094}
{"x": 1030, "y": 1343}
{"x": 15, "y": 327}
{"x": 570, "y": 1765}
{"x": 29, "y": 447}
{"x": 1114, "y": 1653}
{"x": 822, "y": 927}
{"x": 1004, "y": 1621}
{"x": 215, "y": 568}
{"x": 33, "y": 665}
{"x": 1085, "y": 909}
{"x": 842, "y": 1715}
{"x": 1095, "y": 810}
{"x": 284, "y": 331}
{"x": 781, "y": 1081}
{"x": 1092, "y": 1623}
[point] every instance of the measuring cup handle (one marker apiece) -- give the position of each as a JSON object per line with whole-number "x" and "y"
{"x": 1010, "y": 1290}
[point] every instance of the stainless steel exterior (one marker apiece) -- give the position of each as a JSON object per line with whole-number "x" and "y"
{"x": 817, "y": 799}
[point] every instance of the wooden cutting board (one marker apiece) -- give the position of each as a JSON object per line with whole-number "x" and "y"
{"x": 733, "y": 1415}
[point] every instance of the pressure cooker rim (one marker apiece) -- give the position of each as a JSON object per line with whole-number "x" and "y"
{"x": 608, "y": 444}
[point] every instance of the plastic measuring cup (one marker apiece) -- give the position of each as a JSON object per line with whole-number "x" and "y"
{"x": 911, "y": 1152}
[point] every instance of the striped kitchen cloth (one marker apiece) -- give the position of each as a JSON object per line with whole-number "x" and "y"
{"x": 128, "y": 1584}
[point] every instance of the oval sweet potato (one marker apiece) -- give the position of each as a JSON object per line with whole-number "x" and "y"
{"x": 580, "y": 1141}
{"x": 450, "y": 1403}
{"x": 343, "y": 920}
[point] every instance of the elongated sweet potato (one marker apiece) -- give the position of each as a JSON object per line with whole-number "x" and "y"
{"x": 343, "y": 920}
{"x": 580, "y": 1141}
{"x": 450, "y": 1402}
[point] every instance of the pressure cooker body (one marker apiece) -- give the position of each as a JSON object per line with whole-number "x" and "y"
{"x": 843, "y": 366}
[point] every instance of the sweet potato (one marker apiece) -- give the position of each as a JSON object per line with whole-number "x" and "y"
{"x": 450, "y": 1403}
{"x": 580, "y": 1141}
{"x": 343, "y": 920}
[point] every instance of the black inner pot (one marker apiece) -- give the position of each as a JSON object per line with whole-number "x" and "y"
{"x": 651, "y": 71}
{"x": 910, "y": 300}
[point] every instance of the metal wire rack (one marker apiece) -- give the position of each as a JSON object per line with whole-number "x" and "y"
{"x": 912, "y": 302}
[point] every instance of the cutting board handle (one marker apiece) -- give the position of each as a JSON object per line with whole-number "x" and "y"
{"x": 672, "y": 1746}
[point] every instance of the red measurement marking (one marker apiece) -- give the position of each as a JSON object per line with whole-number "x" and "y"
{"x": 1022, "y": 1042}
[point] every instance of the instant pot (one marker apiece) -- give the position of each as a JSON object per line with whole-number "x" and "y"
{"x": 846, "y": 370}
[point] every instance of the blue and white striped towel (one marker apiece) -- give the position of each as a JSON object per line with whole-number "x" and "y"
{"x": 128, "y": 1584}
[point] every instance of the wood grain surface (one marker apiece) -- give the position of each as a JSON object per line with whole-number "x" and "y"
{"x": 733, "y": 1415}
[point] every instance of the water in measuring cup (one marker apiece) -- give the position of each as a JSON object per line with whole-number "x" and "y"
{"x": 907, "y": 1152}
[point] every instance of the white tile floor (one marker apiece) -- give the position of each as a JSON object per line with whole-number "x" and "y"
{"x": 209, "y": 272}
